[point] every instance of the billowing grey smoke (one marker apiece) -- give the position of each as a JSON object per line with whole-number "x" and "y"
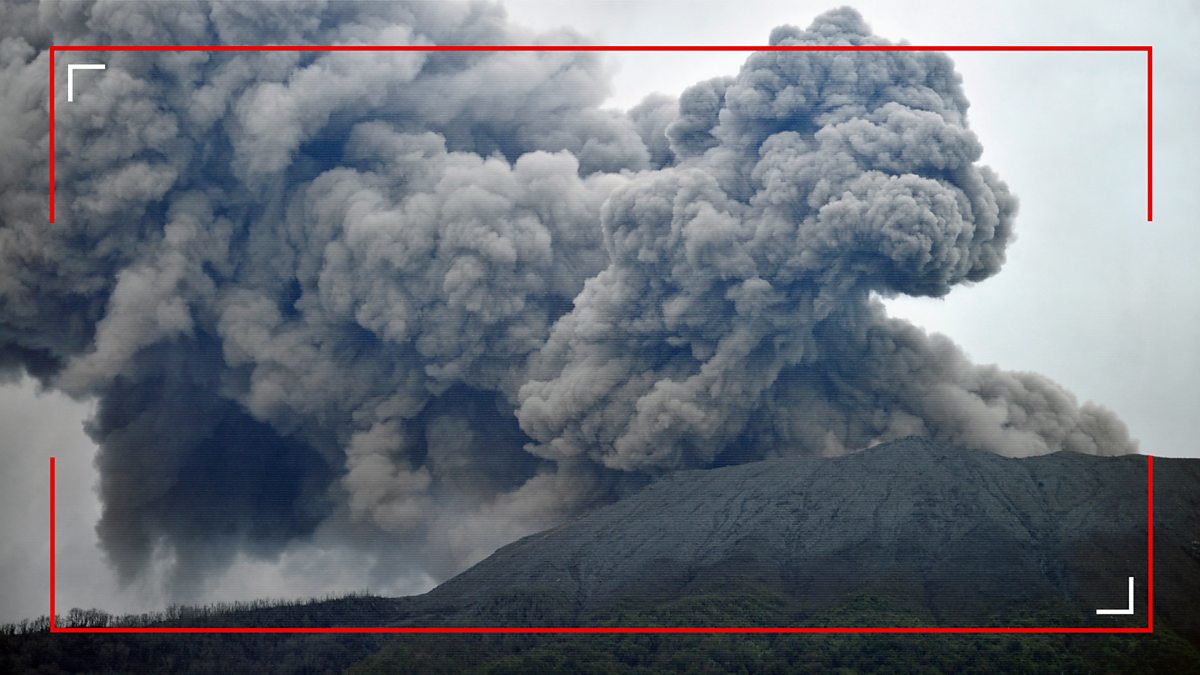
{"x": 430, "y": 302}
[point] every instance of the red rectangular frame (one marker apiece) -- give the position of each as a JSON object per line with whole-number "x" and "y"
{"x": 1147, "y": 49}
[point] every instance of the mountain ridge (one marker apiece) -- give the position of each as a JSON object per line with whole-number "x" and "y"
{"x": 951, "y": 529}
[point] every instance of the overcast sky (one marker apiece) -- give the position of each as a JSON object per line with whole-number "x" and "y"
{"x": 1092, "y": 295}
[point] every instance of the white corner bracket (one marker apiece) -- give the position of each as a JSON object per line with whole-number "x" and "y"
{"x": 71, "y": 76}
{"x": 1128, "y": 610}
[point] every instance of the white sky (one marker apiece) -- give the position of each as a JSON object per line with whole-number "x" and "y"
{"x": 1092, "y": 295}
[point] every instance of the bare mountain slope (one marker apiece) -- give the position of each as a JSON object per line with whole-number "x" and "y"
{"x": 957, "y": 537}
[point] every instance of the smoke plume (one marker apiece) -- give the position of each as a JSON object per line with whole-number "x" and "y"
{"x": 425, "y": 303}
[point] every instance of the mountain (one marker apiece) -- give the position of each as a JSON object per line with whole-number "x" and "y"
{"x": 906, "y": 533}
{"x": 954, "y": 537}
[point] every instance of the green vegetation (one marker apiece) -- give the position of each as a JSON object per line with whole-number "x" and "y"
{"x": 88, "y": 653}
{"x": 1162, "y": 652}
{"x": 30, "y": 648}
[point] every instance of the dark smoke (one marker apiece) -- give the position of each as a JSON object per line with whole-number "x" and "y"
{"x": 433, "y": 302}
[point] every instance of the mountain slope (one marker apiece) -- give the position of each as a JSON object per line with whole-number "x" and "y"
{"x": 956, "y": 537}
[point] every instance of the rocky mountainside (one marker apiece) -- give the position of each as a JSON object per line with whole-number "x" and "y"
{"x": 956, "y": 537}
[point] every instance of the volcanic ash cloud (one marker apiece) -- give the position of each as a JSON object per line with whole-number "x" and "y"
{"x": 421, "y": 304}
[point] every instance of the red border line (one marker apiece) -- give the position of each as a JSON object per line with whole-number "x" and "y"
{"x": 1149, "y": 628}
{"x": 525, "y": 631}
{"x": 1148, "y": 49}
{"x": 52, "y": 147}
{"x": 602, "y": 48}
{"x": 1150, "y": 543}
{"x": 1150, "y": 134}
{"x": 53, "y": 537}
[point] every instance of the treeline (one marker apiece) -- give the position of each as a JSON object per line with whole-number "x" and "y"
{"x": 1164, "y": 651}
{"x": 365, "y": 654}
{"x": 782, "y": 654}
{"x": 178, "y": 615}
